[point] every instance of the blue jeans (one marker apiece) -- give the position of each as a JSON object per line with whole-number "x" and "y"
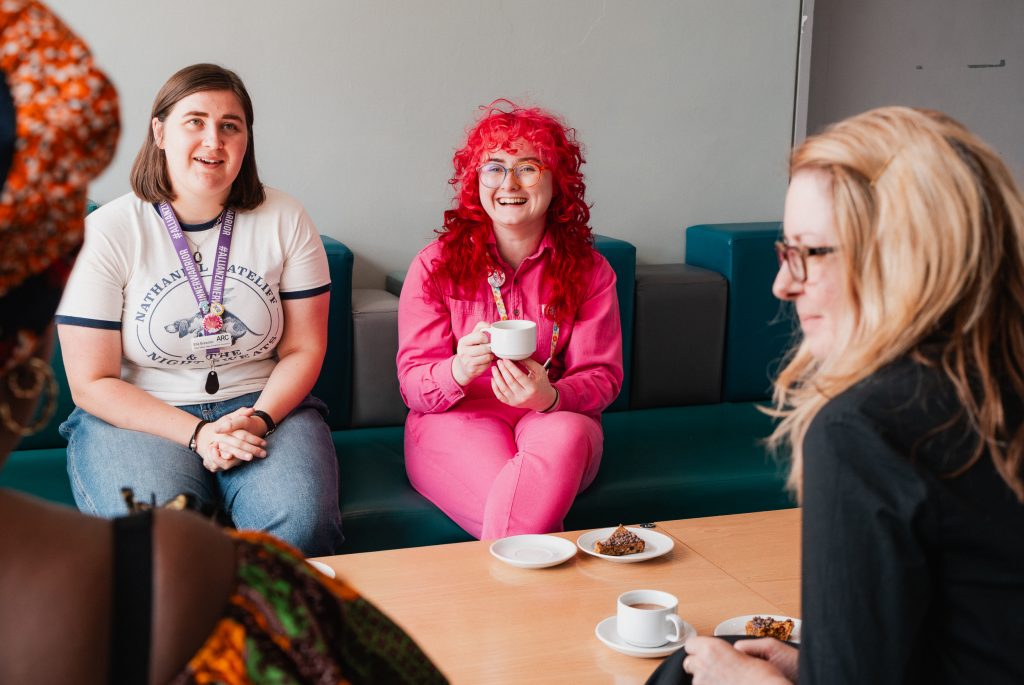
{"x": 292, "y": 493}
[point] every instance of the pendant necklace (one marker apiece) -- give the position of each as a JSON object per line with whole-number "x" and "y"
{"x": 194, "y": 246}
{"x": 196, "y": 254}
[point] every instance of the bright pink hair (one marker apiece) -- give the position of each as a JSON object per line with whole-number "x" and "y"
{"x": 465, "y": 261}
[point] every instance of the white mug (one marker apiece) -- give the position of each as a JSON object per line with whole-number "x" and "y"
{"x": 647, "y": 618}
{"x": 513, "y": 339}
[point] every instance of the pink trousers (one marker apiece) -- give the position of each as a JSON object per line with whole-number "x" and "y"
{"x": 498, "y": 471}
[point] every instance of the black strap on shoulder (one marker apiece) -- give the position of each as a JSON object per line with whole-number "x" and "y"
{"x": 132, "y": 599}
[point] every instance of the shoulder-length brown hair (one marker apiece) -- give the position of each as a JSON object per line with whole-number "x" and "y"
{"x": 149, "y": 177}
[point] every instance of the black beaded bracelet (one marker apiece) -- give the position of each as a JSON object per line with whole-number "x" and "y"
{"x": 195, "y": 435}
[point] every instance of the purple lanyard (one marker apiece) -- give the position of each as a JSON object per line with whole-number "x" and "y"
{"x": 188, "y": 263}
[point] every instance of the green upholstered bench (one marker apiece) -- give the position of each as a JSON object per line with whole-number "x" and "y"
{"x": 659, "y": 464}
{"x": 670, "y": 459}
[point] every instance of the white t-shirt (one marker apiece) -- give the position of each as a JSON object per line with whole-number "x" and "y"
{"x": 129, "y": 278}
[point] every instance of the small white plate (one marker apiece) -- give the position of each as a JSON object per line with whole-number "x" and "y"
{"x": 533, "y": 551}
{"x": 608, "y": 633}
{"x": 322, "y": 568}
{"x": 655, "y": 545}
{"x": 737, "y": 625}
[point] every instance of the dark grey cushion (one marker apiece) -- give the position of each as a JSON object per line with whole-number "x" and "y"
{"x": 678, "y": 336}
{"x": 375, "y": 397}
{"x": 394, "y": 281}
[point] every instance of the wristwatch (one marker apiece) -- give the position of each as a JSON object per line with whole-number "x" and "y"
{"x": 271, "y": 426}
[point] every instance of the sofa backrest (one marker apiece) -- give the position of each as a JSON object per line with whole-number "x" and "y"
{"x": 334, "y": 386}
{"x": 678, "y": 336}
{"x": 48, "y": 437}
{"x": 702, "y": 335}
{"x": 759, "y": 328}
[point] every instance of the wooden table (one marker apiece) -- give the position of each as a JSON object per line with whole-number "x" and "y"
{"x": 482, "y": 621}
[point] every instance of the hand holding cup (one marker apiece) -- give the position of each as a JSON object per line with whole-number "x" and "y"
{"x": 472, "y": 355}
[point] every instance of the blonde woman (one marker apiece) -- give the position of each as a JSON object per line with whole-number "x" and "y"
{"x": 903, "y": 251}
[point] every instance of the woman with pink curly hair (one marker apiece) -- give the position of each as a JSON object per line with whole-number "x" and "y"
{"x": 503, "y": 447}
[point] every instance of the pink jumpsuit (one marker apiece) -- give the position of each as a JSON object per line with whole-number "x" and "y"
{"x": 494, "y": 469}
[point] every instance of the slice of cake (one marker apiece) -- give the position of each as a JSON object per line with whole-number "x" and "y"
{"x": 622, "y": 541}
{"x": 767, "y": 626}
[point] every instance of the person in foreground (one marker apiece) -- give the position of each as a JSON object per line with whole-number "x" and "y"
{"x": 904, "y": 409}
{"x": 160, "y": 597}
{"x": 503, "y": 447}
{"x": 194, "y": 327}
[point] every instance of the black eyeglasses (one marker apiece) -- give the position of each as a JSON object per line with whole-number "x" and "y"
{"x": 795, "y": 257}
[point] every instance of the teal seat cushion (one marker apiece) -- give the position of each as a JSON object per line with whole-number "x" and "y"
{"x": 334, "y": 386}
{"x": 759, "y": 328}
{"x": 379, "y": 508}
{"x": 42, "y": 473}
{"x": 659, "y": 464}
{"x": 682, "y": 462}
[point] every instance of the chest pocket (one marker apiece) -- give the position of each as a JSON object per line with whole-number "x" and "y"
{"x": 466, "y": 313}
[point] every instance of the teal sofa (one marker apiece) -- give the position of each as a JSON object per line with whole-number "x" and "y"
{"x": 683, "y": 439}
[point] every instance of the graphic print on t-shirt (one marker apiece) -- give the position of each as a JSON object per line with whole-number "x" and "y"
{"x": 193, "y": 327}
{"x": 167, "y": 318}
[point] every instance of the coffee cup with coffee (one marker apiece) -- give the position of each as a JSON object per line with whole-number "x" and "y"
{"x": 648, "y": 618}
{"x": 514, "y": 339}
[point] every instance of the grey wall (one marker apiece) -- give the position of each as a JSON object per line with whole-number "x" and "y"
{"x": 868, "y": 53}
{"x": 685, "y": 105}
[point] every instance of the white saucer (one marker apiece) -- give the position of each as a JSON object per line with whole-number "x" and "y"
{"x": 533, "y": 551}
{"x": 655, "y": 544}
{"x": 608, "y": 633}
{"x": 737, "y": 625}
{"x": 322, "y": 568}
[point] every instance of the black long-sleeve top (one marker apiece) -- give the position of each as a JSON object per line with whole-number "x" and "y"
{"x": 909, "y": 576}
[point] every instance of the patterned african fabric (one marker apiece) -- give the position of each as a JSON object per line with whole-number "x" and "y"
{"x": 66, "y": 123}
{"x": 287, "y": 623}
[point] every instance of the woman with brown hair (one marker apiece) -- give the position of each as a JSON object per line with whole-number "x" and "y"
{"x": 162, "y": 596}
{"x": 194, "y": 328}
{"x": 903, "y": 408}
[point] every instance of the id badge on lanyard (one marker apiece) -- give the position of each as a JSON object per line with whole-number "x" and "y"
{"x": 495, "y": 280}
{"x": 212, "y": 338}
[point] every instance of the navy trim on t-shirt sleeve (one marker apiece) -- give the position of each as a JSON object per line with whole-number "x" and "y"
{"x": 301, "y": 294}
{"x": 88, "y": 323}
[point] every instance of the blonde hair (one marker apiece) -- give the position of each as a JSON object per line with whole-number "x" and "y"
{"x": 930, "y": 229}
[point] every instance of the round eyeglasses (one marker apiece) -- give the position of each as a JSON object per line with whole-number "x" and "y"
{"x": 493, "y": 174}
{"x": 795, "y": 257}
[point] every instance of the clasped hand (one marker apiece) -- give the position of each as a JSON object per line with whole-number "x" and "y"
{"x": 231, "y": 440}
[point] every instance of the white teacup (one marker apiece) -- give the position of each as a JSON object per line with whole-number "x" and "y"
{"x": 648, "y": 618}
{"x": 513, "y": 339}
